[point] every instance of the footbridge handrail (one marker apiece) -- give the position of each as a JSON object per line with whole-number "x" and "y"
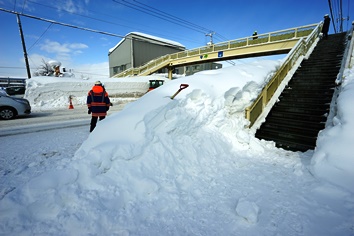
{"x": 300, "y": 50}
{"x": 161, "y": 62}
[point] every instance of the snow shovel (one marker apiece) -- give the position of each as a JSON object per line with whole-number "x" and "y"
{"x": 181, "y": 87}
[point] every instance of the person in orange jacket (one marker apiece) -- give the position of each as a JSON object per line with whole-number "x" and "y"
{"x": 98, "y": 103}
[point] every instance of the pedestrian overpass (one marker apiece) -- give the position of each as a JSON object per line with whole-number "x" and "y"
{"x": 296, "y": 42}
{"x": 274, "y": 43}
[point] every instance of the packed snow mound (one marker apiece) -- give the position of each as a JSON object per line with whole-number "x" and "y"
{"x": 208, "y": 102}
{"x": 185, "y": 166}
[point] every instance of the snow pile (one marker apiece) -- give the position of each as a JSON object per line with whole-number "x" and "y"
{"x": 189, "y": 166}
{"x": 332, "y": 161}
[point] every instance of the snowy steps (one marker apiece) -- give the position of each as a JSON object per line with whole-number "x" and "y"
{"x": 294, "y": 121}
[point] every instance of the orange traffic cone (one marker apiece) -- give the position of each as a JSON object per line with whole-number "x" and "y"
{"x": 71, "y": 104}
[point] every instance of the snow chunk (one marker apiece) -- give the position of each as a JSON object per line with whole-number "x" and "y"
{"x": 248, "y": 210}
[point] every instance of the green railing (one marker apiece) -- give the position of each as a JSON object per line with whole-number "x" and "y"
{"x": 300, "y": 49}
{"x": 164, "y": 61}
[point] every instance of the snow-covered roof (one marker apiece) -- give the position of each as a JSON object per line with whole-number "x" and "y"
{"x": 167, "y": 41}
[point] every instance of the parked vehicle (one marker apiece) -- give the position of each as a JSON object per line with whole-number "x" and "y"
{"x": 155, "y": 84}
{"x": 16, "y": 90}
{"x": 10, "y": 107}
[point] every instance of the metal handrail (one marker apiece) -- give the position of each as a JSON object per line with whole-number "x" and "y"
{"x": 300, "y": 49}
{"x": 347, "y": 55}
{"x": 297, "y": 32}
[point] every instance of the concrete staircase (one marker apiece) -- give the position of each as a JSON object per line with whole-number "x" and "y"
{"x": 294, "y": 122}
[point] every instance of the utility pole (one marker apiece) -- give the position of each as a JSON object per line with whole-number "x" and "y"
{"x": 211, "y": 38}
{"x": 341, "y": 19}
{"x": 23, "y": 46}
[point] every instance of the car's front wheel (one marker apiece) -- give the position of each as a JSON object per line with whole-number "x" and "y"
{"x": 7, "y": 113}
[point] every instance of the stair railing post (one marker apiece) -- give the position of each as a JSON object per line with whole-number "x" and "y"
{"x": 264, "y": 97}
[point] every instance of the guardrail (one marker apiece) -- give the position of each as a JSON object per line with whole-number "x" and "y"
{"x": 300, "y": 49}
{"x": 164, "y": 61}
{"x": 7, "y": 82}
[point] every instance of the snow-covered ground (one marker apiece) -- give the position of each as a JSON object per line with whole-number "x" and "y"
{"x": 186, "y": 166}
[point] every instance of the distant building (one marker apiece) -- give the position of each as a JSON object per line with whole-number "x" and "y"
{"x": 136, "y": 49}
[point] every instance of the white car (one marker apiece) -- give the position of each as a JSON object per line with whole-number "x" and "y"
{"x": 11, "y": 107}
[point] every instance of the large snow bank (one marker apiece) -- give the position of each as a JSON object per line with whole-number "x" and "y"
{"x": 333, "y": 159}
{"x": 47, "y": 92}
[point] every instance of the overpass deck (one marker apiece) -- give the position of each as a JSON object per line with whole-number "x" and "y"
{"x": 273, "y": 43}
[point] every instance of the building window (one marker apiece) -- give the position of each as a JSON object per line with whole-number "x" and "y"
{"x": 118, "y": 69}
{"x": 123, "y": 68}
{"x": 115, "y": 70}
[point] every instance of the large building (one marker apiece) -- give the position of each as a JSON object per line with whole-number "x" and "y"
{"x": 136, "y": 49}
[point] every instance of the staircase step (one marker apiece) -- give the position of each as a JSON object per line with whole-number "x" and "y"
{"x": 307, "y": 111}
{"x": 315, "y": 89}
{"x": 307, "y": 105}
{"x": 280, "y": 139}
{"x": 306, "y": 93}
{"x": 297, "y": 116}
{"x": 308, "y": 96}
{"x": 298, "y": 125}
{"x": 305, "y": 97}
{"x": 315, "y": 84}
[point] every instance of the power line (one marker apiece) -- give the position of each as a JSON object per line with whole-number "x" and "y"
{"x": 78, "y": 27}
{"x": 23, "y": 5}
{"x": 348, "y": 14}
{"x": 165, "y": 16}
{"x": 63, "y": 24}
{"x": 173, "y": 17}
{"x": 336, "y": 10}
{"x": 331, "y": 11}
{"x": 85, "y": 16}
{"x": 40, "y": 37}
{"x": 182, "y": 20}
{"x": 341, "y": 16}
{"x": 153, "y": 13}
{"x": 93, "y": 18}
{"x": 12, "y": 67}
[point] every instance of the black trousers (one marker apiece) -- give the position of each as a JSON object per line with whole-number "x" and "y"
{"x": 94, "y": 122}
{"x": 325, "y": 35}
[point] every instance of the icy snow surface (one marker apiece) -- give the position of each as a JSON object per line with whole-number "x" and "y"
{"x": 187, "y": 166}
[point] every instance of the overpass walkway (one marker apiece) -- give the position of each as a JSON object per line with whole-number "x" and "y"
{"x": 279, "y": 42}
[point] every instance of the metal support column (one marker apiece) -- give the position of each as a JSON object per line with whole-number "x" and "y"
{"x": 170, "y": 70}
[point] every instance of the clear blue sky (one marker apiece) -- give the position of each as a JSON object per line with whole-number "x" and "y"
{"x": 88, "y": 52}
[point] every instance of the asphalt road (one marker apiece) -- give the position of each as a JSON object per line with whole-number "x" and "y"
{"x": 50, "y": 119}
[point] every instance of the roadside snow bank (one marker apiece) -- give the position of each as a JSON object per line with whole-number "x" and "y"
{"x": 45, "y": 93}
